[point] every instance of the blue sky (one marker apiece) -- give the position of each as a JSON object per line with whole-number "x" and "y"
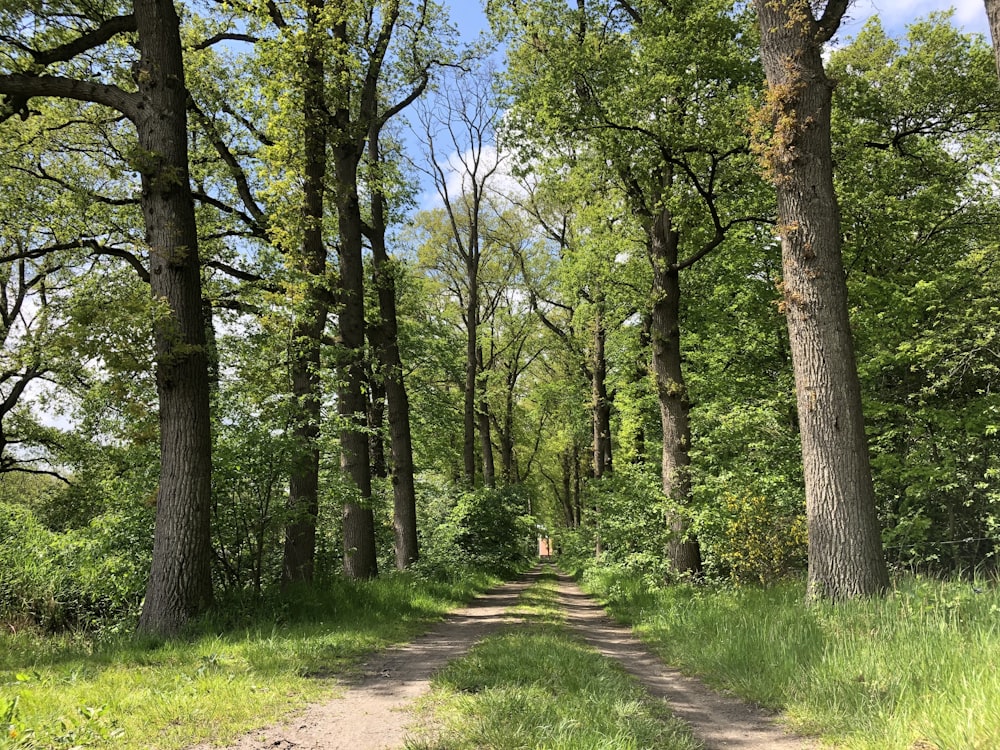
{"x": 969, "y": 14}
{"x": 896, "y": 14}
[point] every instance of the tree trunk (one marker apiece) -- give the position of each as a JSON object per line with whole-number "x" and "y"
{"x": 404, "y": 519}
{"x": 359, "y": 521}
{"x": 303, "y": 485}
{"x": 507, "y": 429}
{"x": 845, "y": 548}
{"x": 471, "y": 367}
{"x": 376, "y": 418}
{"x": 993, "y": 14}
{"x": 180, "y": 584}
{"x": 566, "y": 498}
{"x": 485, "y": 431}
{"x": 600, "y": 404}
{"x": 684, "y": 554}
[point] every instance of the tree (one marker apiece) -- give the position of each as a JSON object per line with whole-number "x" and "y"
{"x": 384, "y": 337}
{"x": 608, "y": 73}
{"x": 373, "y": 98}
{"x": 993, "y": 16}
{"x": 468, "y": 118}
{"x": 845, "y": 548}
{"x": 180, "y": 581}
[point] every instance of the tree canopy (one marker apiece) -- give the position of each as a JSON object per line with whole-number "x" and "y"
{"x": 291, "y": 290}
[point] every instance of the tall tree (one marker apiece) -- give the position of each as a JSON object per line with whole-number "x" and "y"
{"x": 393, "y": 42}
{"x": 180, "y": 580}
{"x": 310, "y": 324}
{"x": 845, "y": 547}
{"x": 385, "y": 340}
{"x": 465, "y": 123}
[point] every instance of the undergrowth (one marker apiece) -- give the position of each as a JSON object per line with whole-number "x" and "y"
{"x": 229, "y": 674}
{"x": 918, "y": 669}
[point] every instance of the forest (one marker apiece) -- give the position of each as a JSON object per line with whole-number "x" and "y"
{"x": 324, "y": 311}
{"x": 303, "y": 291}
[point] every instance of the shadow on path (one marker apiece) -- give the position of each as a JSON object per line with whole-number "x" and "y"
{"x": 371, "y": 715}
{"x": 721, "y": 722}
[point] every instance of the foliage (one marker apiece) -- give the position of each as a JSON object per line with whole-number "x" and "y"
{"x": 752, "y": 538}
{"x": 92, "y": 577}
{"x": 917, "y": 129}
{"x": 488, "y": 529}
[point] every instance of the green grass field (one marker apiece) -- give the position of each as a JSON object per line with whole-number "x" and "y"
{"x": 69, "y": 691}
{"x": 917, "y": 670}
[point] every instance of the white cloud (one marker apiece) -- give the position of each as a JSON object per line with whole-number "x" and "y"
{"x": 461, "y": 168}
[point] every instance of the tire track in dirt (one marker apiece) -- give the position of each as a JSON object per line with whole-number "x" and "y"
{"x": 372, "y": 713}
{"x": 721, "y": 722}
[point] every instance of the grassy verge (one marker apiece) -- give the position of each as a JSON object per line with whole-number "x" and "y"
{"x": 918, "y": 670}
{"x": 535, "y": 686}
{"x": 69, "y": 691}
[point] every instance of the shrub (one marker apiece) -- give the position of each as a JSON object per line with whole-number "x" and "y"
{"x": 629, "y": 521}
{"x": 488, "y": 529}
{"x": 752, "y": 537}
{"x": 90, "y": 578}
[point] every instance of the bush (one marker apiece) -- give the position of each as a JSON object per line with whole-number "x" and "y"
{"x": 752, "y": 538}
{"x": 488, "y": 530}
{"x": 629, "y": 521}
{"x": 90, "y": 578}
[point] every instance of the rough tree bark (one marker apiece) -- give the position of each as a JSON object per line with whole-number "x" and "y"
{"x": 684, "y": 553}
{"x": 993, "y": 15}
{"x": 845, "y": 548}
{"x": 180, "y": 584}
{"x": 359, "y": 521}
{"x": 404, "y": 519}
{"x": 303, "y": 486}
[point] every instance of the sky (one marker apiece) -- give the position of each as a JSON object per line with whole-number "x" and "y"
{"x": 468, "y": 15}
{"x": 896, "y": 14}
{"x": 470, "y": 19}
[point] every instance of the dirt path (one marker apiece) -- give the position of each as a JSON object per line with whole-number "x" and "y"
{"x": 371, "y": 714}
{"x": 720, "y": 721}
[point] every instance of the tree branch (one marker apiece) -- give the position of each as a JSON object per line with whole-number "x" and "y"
{"x": 87, "y": 41}
{"x": 830, "y": 21}
{"x": 224, "y": 37}
{"x": 18, "y": 88}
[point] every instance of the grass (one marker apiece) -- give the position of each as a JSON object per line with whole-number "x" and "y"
{"x": 222, "y": 680}
{"x": 919, "y": 669}
{"x": 536, "y": 686}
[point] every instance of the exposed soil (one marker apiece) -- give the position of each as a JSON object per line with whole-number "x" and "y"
{"x": 371, "y": 714}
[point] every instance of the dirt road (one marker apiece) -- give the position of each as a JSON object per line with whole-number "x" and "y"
{"x": 372, "y": 713}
